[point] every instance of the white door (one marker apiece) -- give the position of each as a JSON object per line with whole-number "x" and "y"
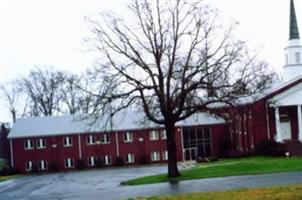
{"x": 286, "y": 132}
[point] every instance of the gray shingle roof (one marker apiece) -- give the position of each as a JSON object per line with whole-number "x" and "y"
{"x": 73, "y": 124}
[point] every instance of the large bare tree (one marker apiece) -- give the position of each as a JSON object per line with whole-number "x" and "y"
{"x": 171, "y": 59}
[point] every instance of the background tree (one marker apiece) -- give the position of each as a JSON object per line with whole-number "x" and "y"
{"x": 69, "y": 94}
{"x": 73, "y": 97}
{"x": 42, "y": 89}
{"x": 48, "y": 92}
{"x": 15, "y": 100}
{"x": 171, "y": 60}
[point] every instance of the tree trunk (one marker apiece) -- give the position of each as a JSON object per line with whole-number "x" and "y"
{"x": 172, "y": 153}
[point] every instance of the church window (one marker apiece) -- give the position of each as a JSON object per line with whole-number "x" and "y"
{"x": 298, "y": 57}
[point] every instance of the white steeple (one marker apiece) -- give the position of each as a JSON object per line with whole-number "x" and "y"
{"x": 293, "y": 52}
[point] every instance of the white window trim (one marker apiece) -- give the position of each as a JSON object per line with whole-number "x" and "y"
{"x": 44, "y": 165}
{"x": 92, "y": 161}
{"x": 154, "y": 135}
{"x": 105, "y": 135}
{"x": 69, "y": 161}
{"x": 129, "y": 137}
{"x": 163, "y": 133}
{"x": 165, "y": 155}
{"x": 40, "y": 142}
{"x": 31, "y": 166}
{"x": 70, "y": 142}
{"x": 91, "y": 140}
{"x": 107, "y": 158}
{"x": 29, "y": 141}
{"x": 155, "y": 156}
{"x": 130, "y": 158}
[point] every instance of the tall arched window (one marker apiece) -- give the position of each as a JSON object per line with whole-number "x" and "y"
{"x": 298, "y": 57}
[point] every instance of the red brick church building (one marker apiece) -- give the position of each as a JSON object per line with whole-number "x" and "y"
{"x": 62, "y": 142}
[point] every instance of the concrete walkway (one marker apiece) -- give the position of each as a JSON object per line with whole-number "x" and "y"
{"x": 103, "y": 185}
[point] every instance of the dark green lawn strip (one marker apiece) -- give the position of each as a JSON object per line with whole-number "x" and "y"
{"x": 243, "y": 166}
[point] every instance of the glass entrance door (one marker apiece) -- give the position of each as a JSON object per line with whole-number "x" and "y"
{"x": 190, "y": 154}
{"x": 197, "y": 142}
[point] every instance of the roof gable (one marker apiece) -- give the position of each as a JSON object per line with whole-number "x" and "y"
{"x": 289, "y": 97}
{"x": 280, "y": 87}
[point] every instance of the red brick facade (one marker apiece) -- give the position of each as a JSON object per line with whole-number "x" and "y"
{"x": 54, "y": 154}
{"x": 247, "y": 126}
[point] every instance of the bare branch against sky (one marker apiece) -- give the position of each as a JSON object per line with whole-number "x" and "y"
{"x": 50, "y": 32}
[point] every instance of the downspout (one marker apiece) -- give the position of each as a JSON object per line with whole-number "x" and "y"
{"x": 117, "y": 145}
{"x": 80, "y": 146}
{"x": 182, "y": 143}
{"x": 267, "y": 122}
{"x": 11, "y": 153}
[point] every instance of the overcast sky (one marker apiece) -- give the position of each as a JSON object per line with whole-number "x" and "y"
{"x": 50, "y": 32}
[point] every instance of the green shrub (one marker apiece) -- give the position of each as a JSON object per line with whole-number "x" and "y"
{"x": 143, "y": 160}
{"x": 80, "y": 164}
{"x": 7, "y": 171}
{"x": 270, "y": 148}
{"x": 53, "y": 167}
{"x": 119, "y": 161}
{"x": 100, "y": 162}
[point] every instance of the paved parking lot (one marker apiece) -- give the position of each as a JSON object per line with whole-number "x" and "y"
{"x": 105, "y": 184}
{"x": 72, "y": 185}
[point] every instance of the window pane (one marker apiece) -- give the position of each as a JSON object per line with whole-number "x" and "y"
{"x": 199, "y": 132}
{"x": 192, "y": 134}
{"x": 298, "y": 58}
{"x": 208, "y": 150}
{"x": 185, "y": 134}
{"x": 186, "y": 144}
{"x": 187, "y": 154}
{"x": 207, "y": 133}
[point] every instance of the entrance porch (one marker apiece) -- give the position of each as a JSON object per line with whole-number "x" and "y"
{"x": 288, "y": 123}
{"x": 288, "y": 114}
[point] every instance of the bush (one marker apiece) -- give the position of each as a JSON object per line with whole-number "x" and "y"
{"x": 99, "y": 162}
{"x": 119, "y": 161}
{"x": 143, "y": 160}
{"x": 270, "y": 148}
{"x": 80, "y": 164}
{"x": 34, "y": 168}
{"x": 7, "y": 171}
{"x": 206, "y": 159}
{"x": 224, "y": 147}
{"x": 238, "y": 154}
{"x": 53, "y": 167}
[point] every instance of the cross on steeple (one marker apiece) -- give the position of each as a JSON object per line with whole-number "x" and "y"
{"x": 293, "y": 29}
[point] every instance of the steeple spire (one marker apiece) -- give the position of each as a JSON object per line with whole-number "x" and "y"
{"x": 293, "y": 29}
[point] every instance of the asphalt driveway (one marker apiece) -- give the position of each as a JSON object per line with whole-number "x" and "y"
{"x": 71, "y": 185}
{"x": 104, "y": 184}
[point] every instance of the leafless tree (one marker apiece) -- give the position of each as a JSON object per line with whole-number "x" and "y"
{"x": 74, "y": 98}
{"x": 86, "y": 100}
{"x": 171, "y": 60}
{"x": 42, "y": 89}
{"x": 69, "y": 94}
{"x": 16, "y": 102}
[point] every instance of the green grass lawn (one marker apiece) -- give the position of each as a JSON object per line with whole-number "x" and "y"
{"x": 229, "y": 167}
{"x": 292, "y": 192}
